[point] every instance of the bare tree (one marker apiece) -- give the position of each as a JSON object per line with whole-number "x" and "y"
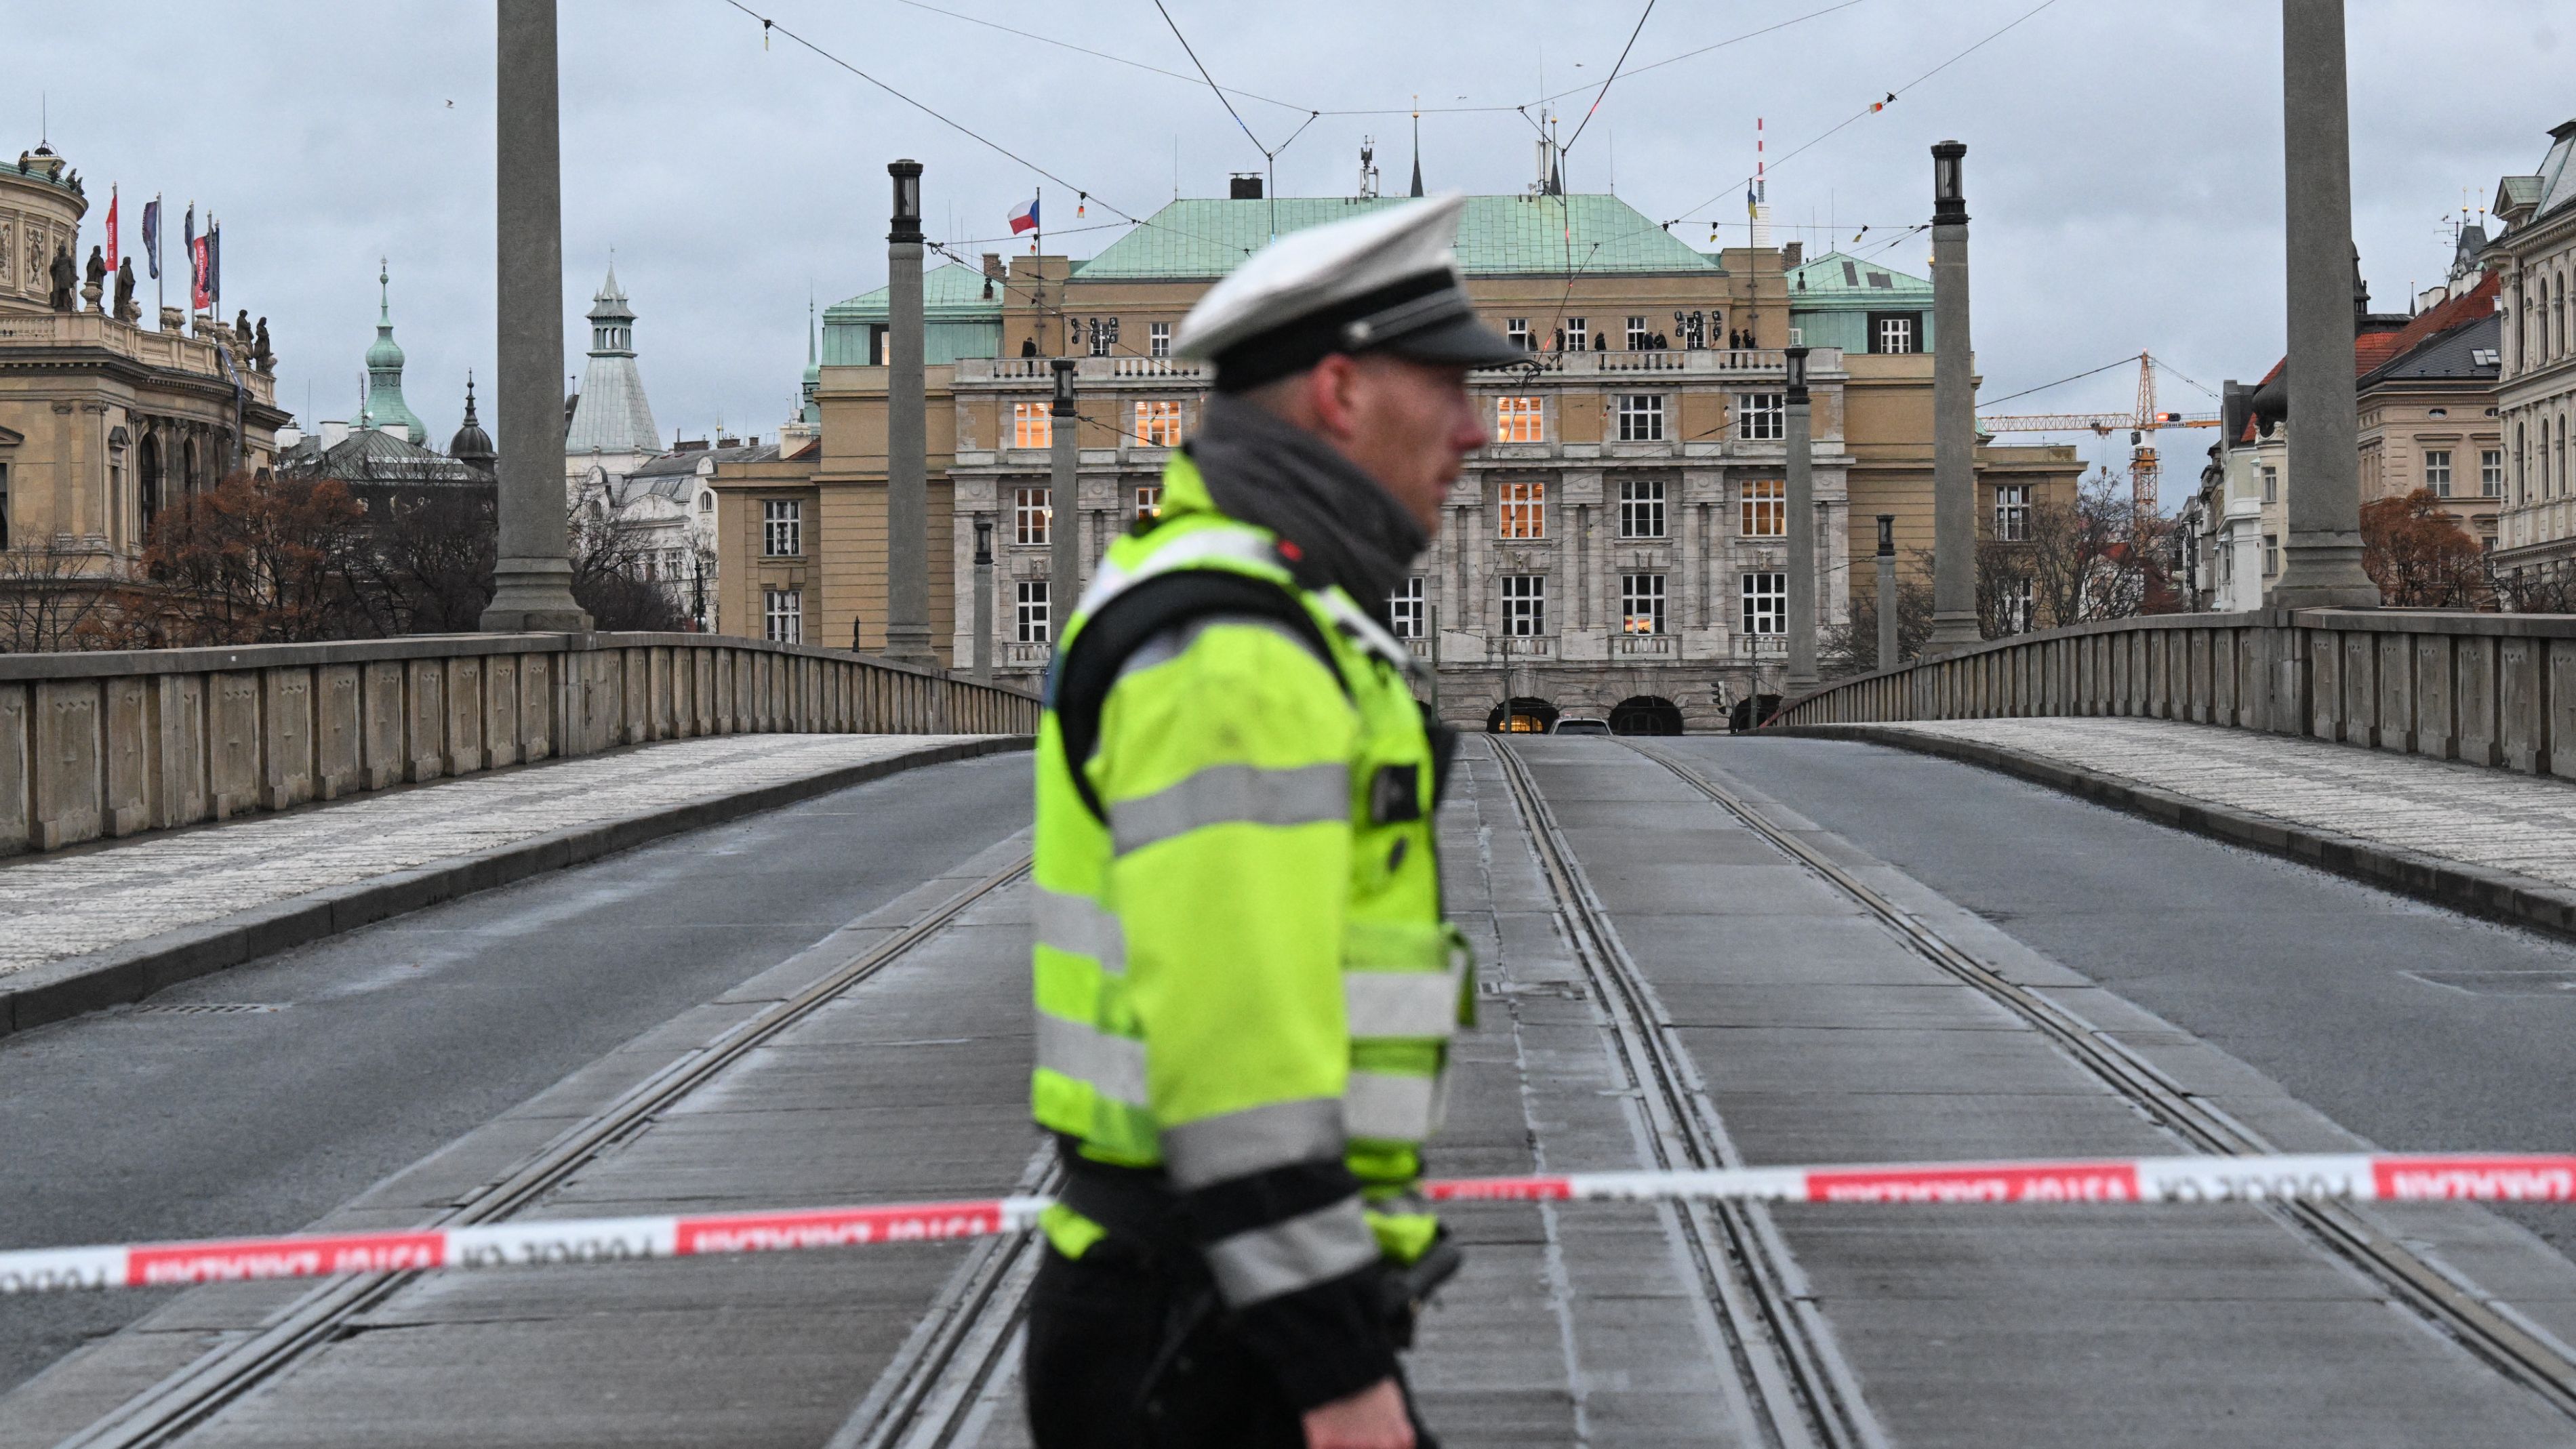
{"x": 52, "y": 599}
{"x": 611, "y": 568}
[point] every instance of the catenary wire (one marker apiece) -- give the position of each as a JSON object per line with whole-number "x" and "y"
{"x": 1613, "y": 78}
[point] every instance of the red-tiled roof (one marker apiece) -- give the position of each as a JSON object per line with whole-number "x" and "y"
{"x": 2372, "y": 350}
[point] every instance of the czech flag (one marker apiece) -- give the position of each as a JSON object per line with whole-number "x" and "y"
{"x": 1025, "y": 218}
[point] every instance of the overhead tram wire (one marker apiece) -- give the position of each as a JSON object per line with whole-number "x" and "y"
{"x": 1595, "y": 108}
{"x": 1269, "y": 157}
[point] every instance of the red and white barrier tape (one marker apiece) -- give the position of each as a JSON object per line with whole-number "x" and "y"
{"x": 2396, "y": 1177}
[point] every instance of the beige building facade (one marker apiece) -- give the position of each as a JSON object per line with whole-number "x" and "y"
{"x": 2535, "y": 259}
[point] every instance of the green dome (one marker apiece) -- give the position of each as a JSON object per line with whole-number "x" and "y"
{"x": 385, "y": 403}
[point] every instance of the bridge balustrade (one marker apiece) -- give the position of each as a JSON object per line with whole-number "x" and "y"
{"x": 113, "y": 743}
{"x": 2489, "y": 689}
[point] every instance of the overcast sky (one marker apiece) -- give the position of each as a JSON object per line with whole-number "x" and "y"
{"x": 2123, "y": 164}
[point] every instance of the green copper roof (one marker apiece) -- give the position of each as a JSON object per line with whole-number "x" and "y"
{"x": 950, "y": 293}
{"x": 1835, "y": 278}
{"x": 1203, "y": 238}
{"x": 384, "y": 404}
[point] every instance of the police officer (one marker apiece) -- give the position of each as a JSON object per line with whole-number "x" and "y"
{"x": 1245, "y": 986}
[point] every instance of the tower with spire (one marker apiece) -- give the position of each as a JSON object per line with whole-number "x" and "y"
{"x": 472, "y": 446}
{"x": 384, "y": 406}
{"x": 1417, "y": 146}
{"x": 611, "y": 428}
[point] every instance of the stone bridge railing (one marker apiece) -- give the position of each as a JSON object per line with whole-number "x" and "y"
{"x": 2490, "y": 689}
{"x": 109, "y": 744}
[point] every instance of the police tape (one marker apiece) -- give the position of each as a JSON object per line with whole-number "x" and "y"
{"x": 2355, "y": 1177}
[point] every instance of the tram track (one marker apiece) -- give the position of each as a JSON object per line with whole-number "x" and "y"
{"x": 181, "y": 1402}
{"x": 1790, "y": 1386}
{"x": 2447, "y": 1303}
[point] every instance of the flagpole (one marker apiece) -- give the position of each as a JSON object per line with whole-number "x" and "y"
{"x": 160, "y": 297}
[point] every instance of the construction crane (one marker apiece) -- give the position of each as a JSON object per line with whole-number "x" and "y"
{"x": 2147, "y": 419}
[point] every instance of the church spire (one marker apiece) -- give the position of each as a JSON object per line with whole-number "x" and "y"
{"x": 384, "y": 403}
{"x": 1417, "y": 145}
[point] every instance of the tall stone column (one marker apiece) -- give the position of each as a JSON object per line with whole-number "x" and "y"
{"x": 1064, "y": 525}
{"x": 1887, "y": 643}
{"x": 1801, "y": 675}
{"x": 907, "y": 423}
{"x": 1954, "y": 414}
{"x": 983, "y": 599}
{"x": 2323, "y": 566}
{"x": 532, "y": 578}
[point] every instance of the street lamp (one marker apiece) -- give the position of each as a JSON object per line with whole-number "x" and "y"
{"x": 1064, "y": 485}
{"x": 907, "y": 199}
{"x": 1800, "y": 675}
{"x": 1949, "y": 192}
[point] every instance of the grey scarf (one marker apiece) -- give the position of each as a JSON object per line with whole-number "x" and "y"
{"x": 1276, "y": 475}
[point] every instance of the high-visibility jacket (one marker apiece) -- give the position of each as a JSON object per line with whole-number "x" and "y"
{"x": 1243, "y": 977}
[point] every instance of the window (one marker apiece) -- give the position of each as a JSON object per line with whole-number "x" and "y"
{"x": 1765, "y": 509}
{"x": 2012, "y": 512}
{"x": 1519, "y": 420}
{"x": 1104, "y": 336}
{"x": 1517, "y": 329}
{"x": 782, "y": 615}
{"x": 1524, "y": 605}
{"x": 1761, "y": 417}
{"x": 2271, "y": 554}
{"x": 2437, "y": 471}
{"x": 1032, "y": 509}
{"x": 1029, "y": 617}
{"x": 4, "y": 508}
{"x": 1158, "y": 424}
{"x": 1031, "y": 425}
{"x": 1641, "y": 603}
{"x": 1766, "y": 603}
{"x": 2491, "y": 473}
{"x": 782, "y": 527}
{"x": 706, "y": 503}
{"x": 1406, "y": 611}
{"x": 1158, "y": 339}
{"x": 1641, "y": 508}
{"x": 1641, "y": 417}
{"x": 2271, "y": 484}
{"x": 1895, "y": 333}
{"x": 1638, "y": 336}
{"x": 1524, "y": 510}
{"x": 1149, "y": 502}
{"x": 1577, "y": 335}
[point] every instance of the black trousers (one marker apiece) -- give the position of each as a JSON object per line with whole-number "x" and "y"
{"x": 1100, "y": 1328}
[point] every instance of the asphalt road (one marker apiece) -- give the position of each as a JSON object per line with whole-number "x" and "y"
{"x": 2420, "y": 1028}
{"x": 385, "y": 1044}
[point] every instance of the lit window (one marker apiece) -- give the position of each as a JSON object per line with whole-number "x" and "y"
{"x": 1407, "y": 613}
{"x": 1149, "y": 502}
{"x": 1641, "y": 508}
{"x": 1641, "y": 418}
{"x": 1029, "y": 620}
{"x": 1519, "y": 420}
{"x": 1031, "y": 425}
{"x": 1158, "y": 424}
{"x": 1158, "y": 339}
{"x": 2491, "y": 473}
{"x": 1638, "y": 336}
{"x": 1766, "y": 603}
{"x": 1524, "y": 605}
{"x": 1766, "y": 508}
{"x": 1641, "y": 603}
{"x": 1524, "y": 510}
{"x": 2437, "y": 471}
{"x": 1761, "y": 417}
{"x": 782, "y": 615}
{"x": 781, "y": 527}
{"x": 2012, "y": 512}
{"x": 1031, "y": 511}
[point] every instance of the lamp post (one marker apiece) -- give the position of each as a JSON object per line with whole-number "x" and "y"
{"x": 907, "y": 409}
{"x": 1064, "y": 513}
{"x": 2322, "y": 568}
{"x": 532, "y": 577}
{"x": 1801, "y": 675}
{"x": 983, "y": 599}
{"x": 1954, "y": 413}
{"x": 1887, "y": 646}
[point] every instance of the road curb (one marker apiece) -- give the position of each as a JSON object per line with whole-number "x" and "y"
{"x": 2498, "y": 895}
{"x": 77, "y": 984}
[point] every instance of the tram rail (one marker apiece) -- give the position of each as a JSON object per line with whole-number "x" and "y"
{"x": 2449, "y": 1305}
{"x": 189, "y": 1397}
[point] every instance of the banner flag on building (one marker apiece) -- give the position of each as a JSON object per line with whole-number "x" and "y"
{"x": 112, "y": 257}
{"x": 196, "y": 258}
{"x": 214, "y": 261}
{"x": 152, "y": 235}
{"x": 1024, "y": 217}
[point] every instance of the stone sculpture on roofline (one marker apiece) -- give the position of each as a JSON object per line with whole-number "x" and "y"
{"x": 127, "y": 309}
{"x": 64, "y": 277}
{"x": 95, "y": 285}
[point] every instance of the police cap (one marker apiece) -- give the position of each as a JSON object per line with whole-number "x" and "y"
{"x": 1384, "y": 282}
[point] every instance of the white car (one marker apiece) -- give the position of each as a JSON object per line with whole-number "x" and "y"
{"x": 1576, "y": 725}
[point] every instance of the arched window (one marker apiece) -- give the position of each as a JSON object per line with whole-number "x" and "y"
{"x": 2558, "y": 307}
{"x": 2521, "y": 464}
{"x": 2542, "y": 492}
{"x": 2562, "y": 455}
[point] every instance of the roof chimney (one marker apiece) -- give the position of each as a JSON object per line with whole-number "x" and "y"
{"x": 1243, "y": 186}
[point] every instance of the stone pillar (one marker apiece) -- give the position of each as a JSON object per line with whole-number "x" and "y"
{"x": 1887, "y": 643}
{"x": 533, "y": 577}
{"x": 983, "y": 600}
{"x": 1954, "y": 414}
{"x": 1801, "y": 674}
{"x": 1064, "y": 524}
{"x": 2322, "y": 566}
{"x": 907, "y": 422}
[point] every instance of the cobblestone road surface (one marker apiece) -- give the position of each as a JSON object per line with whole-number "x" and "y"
{"x": 2492, "y": 818}
{"x": 53, "y": 907}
